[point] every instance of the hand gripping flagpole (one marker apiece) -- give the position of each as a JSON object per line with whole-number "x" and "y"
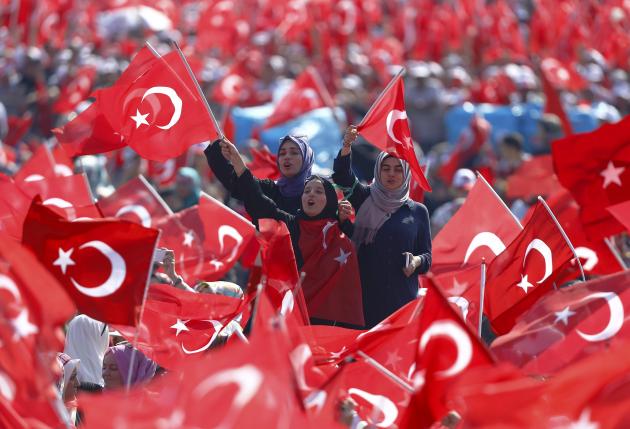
{"x": 217, "y": 126}
{"x": 482, "y": 292}
{"x": 564, "y": 235}
{"x": 400, "y": 73}
{"x": 132, "y": 361}
{"x": 483, "y": 180}
{"x": 610, "y": 242}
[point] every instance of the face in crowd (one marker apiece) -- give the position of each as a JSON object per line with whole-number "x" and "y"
{"x": 313, "y": 198}
{"x": 111, "y": 374}
{"x": 289, "y": 159}
{"x": 391, "y": 173}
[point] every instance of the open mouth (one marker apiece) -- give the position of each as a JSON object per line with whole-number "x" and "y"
{"x": 310, "y": 203}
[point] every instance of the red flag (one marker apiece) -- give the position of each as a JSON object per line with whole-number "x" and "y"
{"x": 14, "y": 204}
{"x": 135, "y": 201}
{"x": 264, "y": 164}
{"x": 553, "y": 104}
{"x": 207, "y": 239}
{"x": 158, "y": 112}
{"x": 568, "y": 325}
{"x": 103, "y": 264}
{"x": 518, "y": 277}
{"x": 332, "y": 287}
{"x": 595, "y": 168}
{"x": 247, "y": 385}
{"x": 69, "y": 196}
{"x": 307, "y": 93}
{"x": 18, "y": 127}
{"x": 386, "y": 127}
{"x": 44, "y": 164}
{"x": 163, "y": 174}
{"x": 76, "y": 90}
{"x": 621, "y": 212}
{"x": 481, "y": 228}
{"x": 534, "y": 177}
{"x": 179, "y": 326}
{"x": 562, "y": 76}
{"x": 238, "y": 86}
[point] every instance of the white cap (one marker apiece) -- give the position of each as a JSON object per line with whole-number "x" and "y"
{"x": 464, "y": 179}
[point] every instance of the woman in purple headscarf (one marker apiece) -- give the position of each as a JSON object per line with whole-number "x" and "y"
{"x": 117, "y": 369}
{"x": 295, "y": 160}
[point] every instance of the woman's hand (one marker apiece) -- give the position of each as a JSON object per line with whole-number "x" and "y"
{"x": 348, "y": 138}
{"x": 231, "y": 153}
{"x": 345, "y": 210}
{"x": 414, "y": 263}
{"x": 168, "y": 264}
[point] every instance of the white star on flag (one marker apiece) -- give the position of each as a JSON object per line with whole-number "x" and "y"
{"x": 180, "y": 326}
{"x": 216, "y": 264}
{"x": 392, "y": 359}
{"x": 458, "y": 288}
{"x": 524, "y": 283}
{"x": 23, "y": 328}
{"x": 611, "y": 174}
{"x": 140, "y": 119}
{"x": 64, "y": 259}
{"x": 188, "y": 238}
{"x": 584, "y": 421}
{"x": 343, "y": 257}
{"x": 563, "y": 315}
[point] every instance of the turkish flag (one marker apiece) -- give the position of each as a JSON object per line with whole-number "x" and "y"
{"x": 621, "y": 212}
{"x": 553, "y": 104}
{"x": 307, "y": 93}
{"x": 238, "y": 87}
{"x": 525, "y": 270}
{"x": 562, "y": 76}
{"x": 14, "y": 205}
{"x": 534, "y": 177}
{"x": 18, "y": 127}
{"x": 76, "y": 89}
{"x": 601, "y": 401}
{"x": 481, "y": 228}
{"x": 45, "y": 163}
{"x": 332, "y": 287}
{"x": 595, "y": 168}
{"x": 158, "y": 112}
{"x": 447, "y": 349}
{"x": 596, "y": 256}
{"x": 248, "y": 385}
{"x": 137, "y": 202}
{"x": 89, "y": 133}
{"x": 163, "y": 174}
{"x": 207, "y": 239}
{"x": 69, "y": 196}
{"x": 386, "y": 127}
{"x": 31, "y": 322}
{"x": 103, "y": 264}
{"x": 568, "y": 325}
{"x": 179, "y": 326}
{"x": 264, "y": 164}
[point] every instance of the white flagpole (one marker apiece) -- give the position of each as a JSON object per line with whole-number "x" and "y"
{"x": 380, "y": 96}
{"x": 564, "y": 235}
{"x": 483, "y": 180}
{"x": 260, "y": 287}
{"x": 482, "y": 292}
{"x": 155, "y": 194}
{"x": 144, "y": 300}
{"x": 217, "y": 126}
{"x": 610, "y": 242}
{"x": 380, "y": 368}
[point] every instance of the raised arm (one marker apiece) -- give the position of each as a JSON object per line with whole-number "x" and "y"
{"x": 221, "y": 167}
{"x": 344, "y": 177}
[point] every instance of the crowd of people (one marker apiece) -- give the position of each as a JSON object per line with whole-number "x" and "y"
{"x": 365, "y": 198}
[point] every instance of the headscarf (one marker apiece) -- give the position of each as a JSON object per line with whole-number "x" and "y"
{"x": 330, "y": 209}
{"x": 381, "y": 203}
{"x": 293, "y": 186}
{"x": 87, "y": 339}
{"x": 195, "y": 184}
{"x": 143, "y": 367}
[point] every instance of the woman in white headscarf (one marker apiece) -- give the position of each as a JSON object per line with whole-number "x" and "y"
{"x": 391, "y": 232}
{"x": 87, "y": 339}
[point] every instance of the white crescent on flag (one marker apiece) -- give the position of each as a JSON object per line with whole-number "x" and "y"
{"x": 116, "y": 276}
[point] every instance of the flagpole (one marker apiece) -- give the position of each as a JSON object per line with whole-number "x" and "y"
{"x": 217, "y": 127}
{"x": 382, "y": 94}
{"x": 387, "y": 373}
{"x": 152, "y": 49}
{"x": 482, "y": 292}
{"x": 564, "y": 235}
{"x": 483, "y": 179}
{"x": 324, "y": 91}
{"x": 260, "y": 287}
{"x": 610, "y": 242}
{"x": 142, "y": 305}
